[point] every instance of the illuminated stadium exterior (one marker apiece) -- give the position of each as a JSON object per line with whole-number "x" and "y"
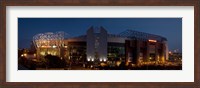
{"x": 99, "y": 46}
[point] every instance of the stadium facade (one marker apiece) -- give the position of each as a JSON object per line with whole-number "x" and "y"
{"x": 97, "y": 45}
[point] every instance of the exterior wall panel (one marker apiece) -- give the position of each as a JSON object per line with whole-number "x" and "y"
{"x": 103, "y": 44}
{"x": 90, "y": 44}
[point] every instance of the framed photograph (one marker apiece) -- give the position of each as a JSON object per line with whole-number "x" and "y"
{"x": 91, "y": 43}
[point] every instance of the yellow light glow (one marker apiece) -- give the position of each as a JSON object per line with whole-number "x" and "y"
{"x": 54, "y": 46}
{"x": 34, "y": 55}
{"x": 42, "y": 53}
{"x": 152, "y": 40}
{"x": 127, "y": 63}
{"x": 25, "y": 54}
{"x": 102, "y": 64}
{"x": 47, "y": 46}
{"x": 118, "y": 63}
{"x": 34, "y": 59}
{"x": 163, "y": 59}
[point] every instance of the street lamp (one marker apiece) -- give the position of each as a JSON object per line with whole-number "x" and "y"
{"x": 88, "y": 59}
{"x": 92, "y": 59}
{"x": 100, "y": 60}
{"x": 104, "y": 59}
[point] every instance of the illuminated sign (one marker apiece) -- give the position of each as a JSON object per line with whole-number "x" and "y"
{"x": 152, "y": 40}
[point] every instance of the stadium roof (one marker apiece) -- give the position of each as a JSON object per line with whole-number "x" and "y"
{"x": 132, "y": 34}
{"x": 141, "y": 35}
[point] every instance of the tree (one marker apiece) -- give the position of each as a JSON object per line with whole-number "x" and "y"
{"x": 55, "y": 62}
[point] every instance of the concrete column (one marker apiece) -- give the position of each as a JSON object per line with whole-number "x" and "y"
{"x": 103, "y": 44}
{"x": 166, "y": 50}
{"x": 156, "y": 51}
{"x": 90, "y": 44}
{"x": 62, "y": 52}
{"x": 127, "y": 49}
{"x": 147, "y": 52}
{"x": 137, "y": 50}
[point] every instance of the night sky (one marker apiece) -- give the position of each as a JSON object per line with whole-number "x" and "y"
{"x": 171, "y": 28}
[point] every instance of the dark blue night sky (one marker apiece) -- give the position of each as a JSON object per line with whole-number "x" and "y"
{"x": 171, "y": 28}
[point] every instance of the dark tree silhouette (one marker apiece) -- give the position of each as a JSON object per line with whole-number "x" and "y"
{"x": 54, "y": 62}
